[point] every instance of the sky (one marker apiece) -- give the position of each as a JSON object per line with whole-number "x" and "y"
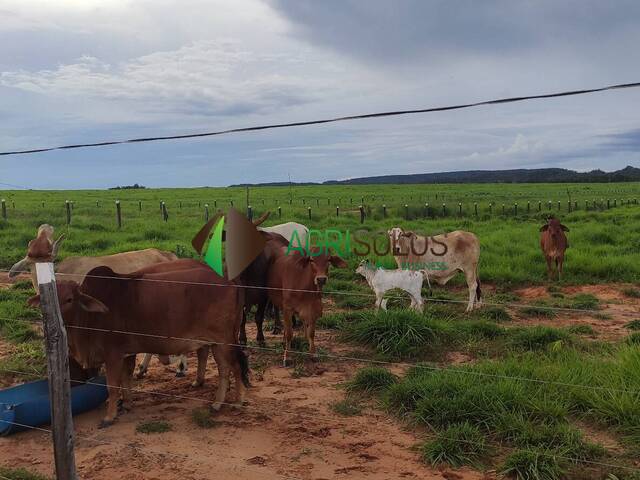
{"x": 78, "y": 71}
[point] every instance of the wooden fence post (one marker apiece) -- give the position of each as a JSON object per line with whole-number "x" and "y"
{"x": 384, "y": 211}
{"x": 97, "y": 204}
{"x": 118, "y": 214}
{"x": 475, "y": 208}
{"x": 559, "y": 207}
{"x": 361, "y": 214}
{"x": 515, "y": 209}
{"x": 165, "y": 214}
{"x": 490, "y": 207}
{"x": 279, "y": 212}
{"x": 406, "y": 211}
{"x": 57, "y": 351}
{"x": 317, "y": 202}
{"x": 459, "y": 208}
{"x": 249, "y": 212}
{"x": 608, "y": 204}
{"x": 139, "y": 206}
{"x": 206, "y": 212}
{"x": 444, "y": 210}
{"x": 67, "y": 206}
{"x": 503, "y": 208}
{"x": 42, "y": 204}
{"x": 309, "y": 210}
{"x": 528, "y": 206}
{"x": 215, "y": 204}
{"x": 4, "y": 209}
{"x": 569, "y": 206}
{"x": 539, "y": 206}
{"x": 337, "y": 211}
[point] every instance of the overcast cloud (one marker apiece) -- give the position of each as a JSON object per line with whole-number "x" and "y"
{"x": 80, "y": 71}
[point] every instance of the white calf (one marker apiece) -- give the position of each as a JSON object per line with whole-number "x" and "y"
{"x": 181, "y": 360}
{"x": 381, "y": 280}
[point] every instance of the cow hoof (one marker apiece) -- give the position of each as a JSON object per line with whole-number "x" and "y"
{"x": 104, "y": 423}
{"x": 140, "y": 375}
{"x": 180, "y": 374}
{"x": 287, "y": 363}
{"x": 215, "y": 408}
{"x": 197, "y": 384}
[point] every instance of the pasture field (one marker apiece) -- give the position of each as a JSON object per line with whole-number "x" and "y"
{"x": 543, "y": 382}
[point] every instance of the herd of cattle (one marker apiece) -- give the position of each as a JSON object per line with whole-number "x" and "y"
{"x": 152, "y": 302}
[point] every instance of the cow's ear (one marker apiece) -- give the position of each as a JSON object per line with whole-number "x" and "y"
{"x": 90, "y": 304}
{"x": 337, "y": 262}
{"x": 34, "y": 301}
{"x": 564, "y": 228}
{"x": 544, "y": 228}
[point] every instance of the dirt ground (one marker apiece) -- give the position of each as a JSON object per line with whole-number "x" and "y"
{"x": 288, "y": 430}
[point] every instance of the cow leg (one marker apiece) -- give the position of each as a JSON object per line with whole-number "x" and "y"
{"x": 115, "y": 367}
{"x": 277, "y": 325}
{"x": 203, "y": 353}
{"x": 549, "y": 267}
{"x": 128, "y": 367}
{"x": 379, "y": 296}
{"x": 472, "y": 283}
{"x": 164, "y": 360}
{"x": 144, "y": 366}
{"x": 181, "y": 369}
{"x": 310, "y": 328}
{"x": 221, "y": 357}
{"x": 288, "y": 334}
{"x": 236, "y": 368}
{"x": 259, "y": 321}
{"x": 559, "y": 262}
{"x": 243, "y": 330}
{"x": 416, "y": 301}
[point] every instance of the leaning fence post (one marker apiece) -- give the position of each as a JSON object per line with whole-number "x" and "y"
{"x": 118, "y": 214}
{"x": 67, "y": 205}
{"x": 57, "y": 350}
{"x": 4, "y": 209}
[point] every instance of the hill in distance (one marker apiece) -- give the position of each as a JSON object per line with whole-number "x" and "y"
{"x": 522, "y": 175}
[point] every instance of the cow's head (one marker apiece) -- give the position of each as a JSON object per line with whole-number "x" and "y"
{"x": 41, "y": 249}
{"x": 72, "y": 301}
{"x": 319, "y": 266}
{"x": 399, "y": 238}
{"x": 554, "y": 227}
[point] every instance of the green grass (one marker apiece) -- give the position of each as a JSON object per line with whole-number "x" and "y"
{"x": 347, "y": 407}
{"x": 631, "y": 292}
{"x": 633, "y": 325}
{"x": 457, "y": 445}
{"x": 581, "y": 329}
{"x": 202, "y": 418}
{"x": 154, "y": 426}
{"x": 533, "y": 465}
{"x": 371, "y": 380}
{"x": 20, "y": 474}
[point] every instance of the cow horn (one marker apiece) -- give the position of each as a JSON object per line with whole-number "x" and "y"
{"x": 20, "y": 267}
{"x": 261, "y": 219}
{"x": 56, "y": 245}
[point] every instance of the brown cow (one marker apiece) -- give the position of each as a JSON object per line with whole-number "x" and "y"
{"x": 553, "y": 243}
{"x": 168, "y": 313}
{"x": 295, "y": 287}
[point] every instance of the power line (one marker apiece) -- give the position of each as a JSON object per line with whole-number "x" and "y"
{"x": 393, "y": 113}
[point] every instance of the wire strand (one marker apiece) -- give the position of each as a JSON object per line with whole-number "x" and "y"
{"x": 326, "y": 120}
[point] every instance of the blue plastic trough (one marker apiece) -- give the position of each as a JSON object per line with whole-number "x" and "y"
{"x": 27, "y": 405}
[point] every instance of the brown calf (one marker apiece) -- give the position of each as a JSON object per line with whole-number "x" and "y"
{"x": 295, "y": 287}
{"x": 553, "y": 243}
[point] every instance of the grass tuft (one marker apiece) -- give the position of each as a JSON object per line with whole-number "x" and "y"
{"x": 202, "y": 418}
{"x": 458, "y": 445}
{"x": 372, "y": 380}
{"x": 20, "y": 474}
{"x": 153, "y": 426}
{"x": 532, "y": 464}
{"x": 347, "y": 407}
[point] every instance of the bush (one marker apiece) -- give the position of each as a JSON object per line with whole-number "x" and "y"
{"x": 581, "y": 329}
{"x": 584, "y": 301}
{"x": 19, "y": 474}
{"x": 460, "y": 444}
{"x": 532, "y": 464}
{"x": 372, "y": 380}
{"x": 495, "y": 314}
{"x": 633, "y": 325}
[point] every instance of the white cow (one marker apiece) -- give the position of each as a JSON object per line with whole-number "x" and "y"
{"x": 440, "y": 257}
{"x": 381, "y": 280}
{"x": 287, "y": 231}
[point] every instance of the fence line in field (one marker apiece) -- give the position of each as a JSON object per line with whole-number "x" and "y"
{"x": 406, "y": 211}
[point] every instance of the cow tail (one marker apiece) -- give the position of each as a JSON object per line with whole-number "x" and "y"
{"x": 478, "y": 289}
{"x": 242, "y": 359}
